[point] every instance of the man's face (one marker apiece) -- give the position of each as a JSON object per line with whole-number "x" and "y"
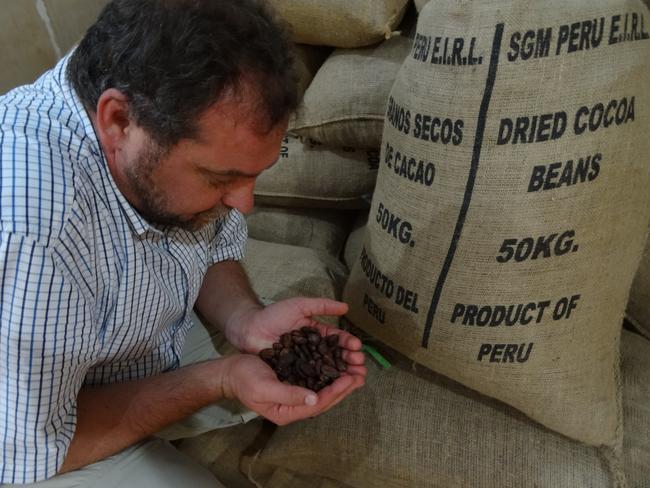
{"x": 196, "y": 181}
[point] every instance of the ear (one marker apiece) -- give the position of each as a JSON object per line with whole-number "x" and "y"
{"x": 112, "y": 121}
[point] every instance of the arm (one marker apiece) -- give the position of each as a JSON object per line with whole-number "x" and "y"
{"x": 225, "y": 295}
{"x": 113, "y": 417}
{"x": 227, "y": 300}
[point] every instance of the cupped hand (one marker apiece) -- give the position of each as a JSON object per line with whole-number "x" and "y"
{"x": 255, "y": 329}
{"x": 254, "y": 383}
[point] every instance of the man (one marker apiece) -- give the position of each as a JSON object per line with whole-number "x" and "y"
{"x": 124, "y": 174}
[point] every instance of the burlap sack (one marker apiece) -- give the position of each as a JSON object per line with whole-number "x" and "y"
{"x": 231, "y": 454}
{"x": 308, "y": 60}
{"x": 221, "y": 450}
{"x": 285, "y": 478}
{"x": 323, "y": 230}
{"x": 346, "y": 101}
{"x": 354, "y": 243}
{"x": 512, "y": 203}
{"x": 419, "y": 4}
{"x": 341, "y": 23}
{"x": 278, "y": 271}
{"x": 311, "y": 175}
{"x": 635, "y": 365}
{"x": 413, "y": 428}
{"x": 638, "y": 308}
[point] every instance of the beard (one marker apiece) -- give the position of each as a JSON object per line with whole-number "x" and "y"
{"x": 154, "y": 205}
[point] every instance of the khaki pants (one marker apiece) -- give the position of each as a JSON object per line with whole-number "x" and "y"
{"x": 151, "y": 464}
{"x": 155, "y": 463}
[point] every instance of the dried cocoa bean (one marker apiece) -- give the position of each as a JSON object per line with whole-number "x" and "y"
{"x": 267, "y": 354}
{"x": 322, "y": 347}
{"x": 330, "y": 372}
{"x": 299, "y": 339}
{"x": 341, "y": 365}
{"x": 305, "y": 358}
{"x": 327, "y": 359}
{"x": 285, "y": 340}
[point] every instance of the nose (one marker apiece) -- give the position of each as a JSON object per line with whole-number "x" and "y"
{"x": 240, "y": 197}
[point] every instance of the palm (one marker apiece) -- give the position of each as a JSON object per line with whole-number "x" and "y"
{"x": 273, "y": 321}
{"x": 262, "y": 328}
{"x": 255, "y": 383}
{"x": 257, "y": 387}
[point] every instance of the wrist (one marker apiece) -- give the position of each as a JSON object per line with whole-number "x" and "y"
{"x": 222, "y": 384}
{"x": 236, "y": 325}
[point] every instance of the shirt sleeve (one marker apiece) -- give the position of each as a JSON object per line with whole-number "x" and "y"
{"x": 230, "y": 238}
{"x": 44, "y": 355}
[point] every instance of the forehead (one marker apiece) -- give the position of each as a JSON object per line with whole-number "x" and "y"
{"x": 237, "y": 119}
{"x": 230, "y": 137}
{"x": 241, "y": 106}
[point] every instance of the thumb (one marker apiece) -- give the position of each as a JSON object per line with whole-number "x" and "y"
{"x": 290, "y": 395}
{"x": 321, "y": 306}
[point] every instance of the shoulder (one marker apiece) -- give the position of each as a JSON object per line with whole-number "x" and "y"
{"x": 40, "y": 147}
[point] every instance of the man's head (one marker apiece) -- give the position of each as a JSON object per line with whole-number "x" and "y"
{"x": 190, "y": 100}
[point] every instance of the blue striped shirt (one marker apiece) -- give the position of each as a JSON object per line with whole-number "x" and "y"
{"x": 91, "y": 293}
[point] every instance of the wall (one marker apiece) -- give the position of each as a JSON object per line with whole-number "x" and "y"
{"x": 34, "y": 34}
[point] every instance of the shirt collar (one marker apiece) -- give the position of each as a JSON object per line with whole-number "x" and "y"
{"x": 139, "y": 225}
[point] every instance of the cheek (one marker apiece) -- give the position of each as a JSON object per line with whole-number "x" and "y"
{"x": 204, "y": 200}
{"x": 193, "y": 196}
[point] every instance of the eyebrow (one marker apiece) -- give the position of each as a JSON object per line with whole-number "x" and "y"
{"x": 235, "y": 172}
{"x": 230, "y": 172}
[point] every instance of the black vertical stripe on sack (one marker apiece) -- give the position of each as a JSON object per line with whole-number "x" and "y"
{"x": 476, "y": 156}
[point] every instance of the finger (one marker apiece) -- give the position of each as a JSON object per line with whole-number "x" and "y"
{"x": 276, "y": 392}
{"x": 333, "y": 391}
{"x": 346, "y": 340}
{"x": 354, "y": 357}
{"x": 331, "y": 398}
{"x": 357, "y": 370}
{"x": 353, "y": 343}
{"x": 322, "y": 306}
{"x": 327, "y": 398}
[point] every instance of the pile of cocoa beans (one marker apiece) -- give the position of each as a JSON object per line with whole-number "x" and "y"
{"x": 304, "y": 358}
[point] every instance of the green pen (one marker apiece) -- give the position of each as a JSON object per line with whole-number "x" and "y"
{"x": 381, "y": 360}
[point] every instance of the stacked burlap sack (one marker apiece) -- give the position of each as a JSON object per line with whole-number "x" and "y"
{"x": 638, "y": 308}
{"x": 341, "y": 23}
{"x": 328, "y": 163}
{"x": 501, "y": 148}
{"x": 409, "y": 427}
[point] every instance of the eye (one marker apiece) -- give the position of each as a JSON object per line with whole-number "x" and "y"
{"x": 220, "y": 180}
